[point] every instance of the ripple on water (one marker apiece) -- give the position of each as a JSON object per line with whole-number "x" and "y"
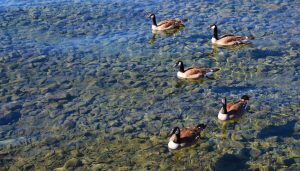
{"x": 87, "y": 85}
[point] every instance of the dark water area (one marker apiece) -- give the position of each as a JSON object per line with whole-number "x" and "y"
{"x": 86, "y": 85}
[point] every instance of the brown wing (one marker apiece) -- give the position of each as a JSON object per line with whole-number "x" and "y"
{"x": 235, "y": 107}
{"x": 169, "y": 23}
{"x": 226, "y": 35}
{"x": 229, "y": 105}
{"x": 185, "y": 134}
{"x": 196, "y": 70}
{"x": 189, "y": 135}
{"x": 230, "y": 38}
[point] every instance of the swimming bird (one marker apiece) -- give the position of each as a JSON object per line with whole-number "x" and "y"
{"x": 184, "y": 137}
{"x": 193, "y": 72}
{"x": 228, "y": 39}
{"x": 165, "y": 24}
{"x": 233, "y": 110}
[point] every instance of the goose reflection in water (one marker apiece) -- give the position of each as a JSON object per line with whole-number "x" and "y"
{"x": 226, "y": 125}
{"x": 163, "y": 34}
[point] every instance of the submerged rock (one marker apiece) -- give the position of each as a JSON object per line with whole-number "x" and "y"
{"x": 73, "y": 164}
{"x": 254, "y": 153}
{"x": 69, "y": 124}
{"x": 9, "y": 117}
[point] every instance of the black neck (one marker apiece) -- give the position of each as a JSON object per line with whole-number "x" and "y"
{"x": 181, "y": 67}
{"x": 154, "y": 21}
{"x": 216, "y": 33}
{"x": 177, "y": 139}
{"x": 225, "y": 106}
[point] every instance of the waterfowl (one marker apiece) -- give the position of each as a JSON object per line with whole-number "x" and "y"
{"x": 228, "y": 39}
{"x": 184, "y": 137}
{"x": 165, "y": 24}
{"x": 233, "y": 110}
{"x": 193, "y": 72}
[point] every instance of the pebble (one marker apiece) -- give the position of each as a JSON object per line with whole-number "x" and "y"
{"x": 37, "y": 59}
{"x": 254, "y": 153}
{"x": 69, "y": 124}
{"x": 57, "y": 96}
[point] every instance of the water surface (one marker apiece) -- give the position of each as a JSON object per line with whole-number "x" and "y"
{"x": 86, "y": 85}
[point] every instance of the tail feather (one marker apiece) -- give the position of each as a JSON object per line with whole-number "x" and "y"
{"x": 210, "y": 71}
{"x": 215, "y": 69}
{"x": 250, "y": 38}
{"x": 179, "y": 23}
{"x": 184, "y": 20}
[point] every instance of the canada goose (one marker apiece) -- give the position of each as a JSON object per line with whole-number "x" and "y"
{"x": 165, "y": 24}
{"x": 233, "y": 110}
{"x": 228, "y": 39}
{"x": 193, "y": 72}
{"x": 184, "y": 137}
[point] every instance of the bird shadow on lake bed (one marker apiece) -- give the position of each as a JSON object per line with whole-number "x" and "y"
{"x": 281, "y": 131}
{"x": 229, "y": 162}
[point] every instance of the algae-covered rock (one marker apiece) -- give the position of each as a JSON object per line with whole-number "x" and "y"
{"x": 254, "y": 153}
{"x": 73, "y": 164}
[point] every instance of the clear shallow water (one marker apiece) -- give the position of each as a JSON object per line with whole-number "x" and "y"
{"x": 85, "y": 85}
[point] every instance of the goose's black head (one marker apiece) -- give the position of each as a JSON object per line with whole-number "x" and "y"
{"x": 224, "y": 101}
{"x": 212, "y": 26}
{"x": 180, "y": 64}
{"x": 175, "y": 131}
{"x": 245, "y": 97}
{"x": 151, "y": 15}
{"x": 245, "y": 100}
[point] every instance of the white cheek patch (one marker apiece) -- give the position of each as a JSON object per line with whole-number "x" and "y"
{"x": 212, "y": 27}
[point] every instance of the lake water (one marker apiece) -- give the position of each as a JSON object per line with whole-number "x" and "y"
{"x": 86, "y": 85}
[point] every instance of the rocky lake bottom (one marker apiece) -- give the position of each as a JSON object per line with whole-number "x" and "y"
{"x": 86, "y": 85}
